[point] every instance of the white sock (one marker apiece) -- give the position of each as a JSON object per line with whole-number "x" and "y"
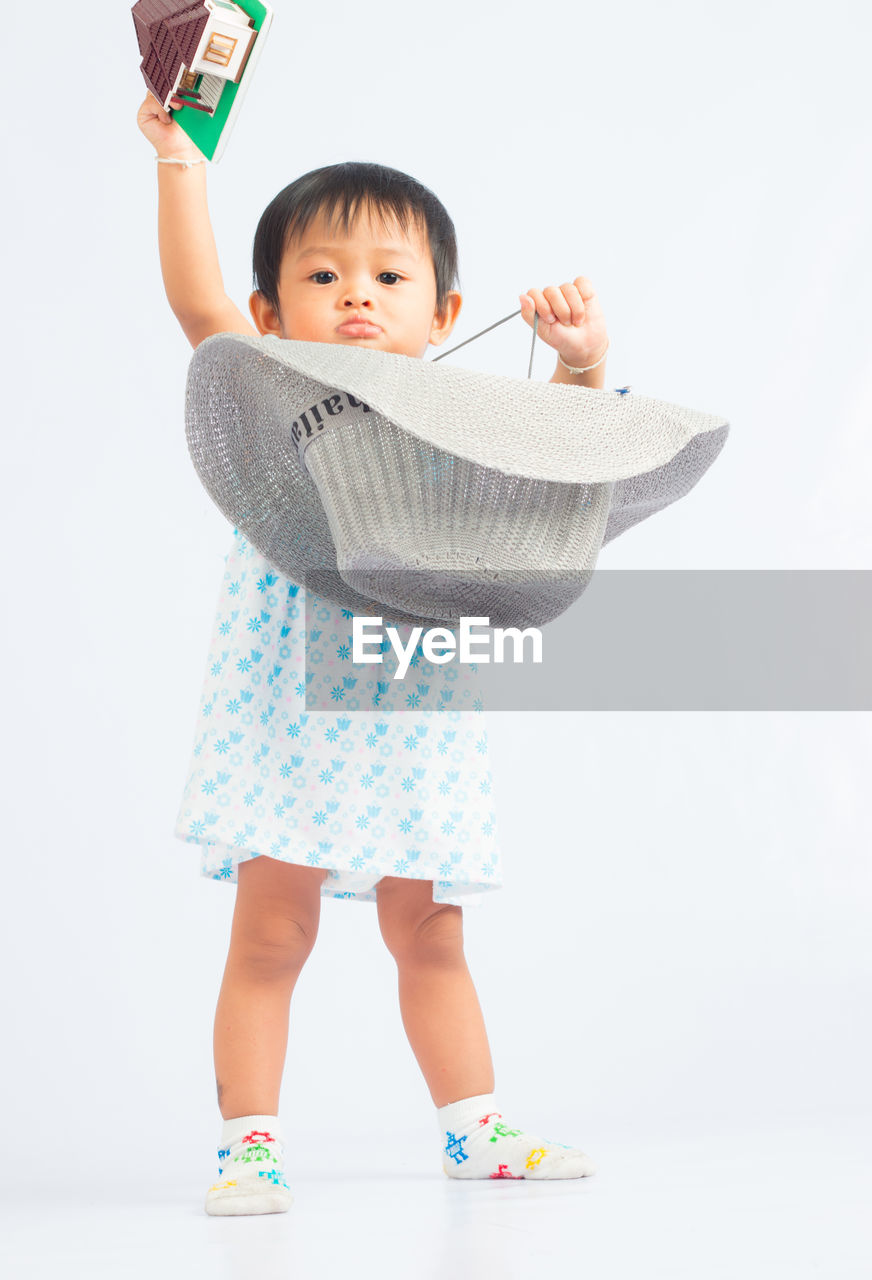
{"x": 250, "y": 1168}
{"x": 478, "y": 1143}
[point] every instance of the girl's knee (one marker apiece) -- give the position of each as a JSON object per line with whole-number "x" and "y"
{"x": 275, "y": 921}
{"x": 275, "y": 946}
{"x": 414, "y": 927}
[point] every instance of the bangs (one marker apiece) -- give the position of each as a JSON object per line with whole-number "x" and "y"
{"x": 345, "y": 212}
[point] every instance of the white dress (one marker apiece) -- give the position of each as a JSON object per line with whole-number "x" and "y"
{"x": 363, "y": 791}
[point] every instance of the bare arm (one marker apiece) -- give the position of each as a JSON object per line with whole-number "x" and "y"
{"x": 188, "y": 255}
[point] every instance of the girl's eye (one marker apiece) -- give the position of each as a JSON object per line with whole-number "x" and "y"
{"x": 318, "y": 277}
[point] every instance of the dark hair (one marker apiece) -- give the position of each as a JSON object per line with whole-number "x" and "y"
{"x": 339, "y": 191}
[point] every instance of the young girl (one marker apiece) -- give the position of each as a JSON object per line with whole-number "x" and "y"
{"x": 370, "y": 806}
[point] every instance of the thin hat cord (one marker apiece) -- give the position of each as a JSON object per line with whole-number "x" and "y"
{"x": 533, "y": 343}
{"x": 487, "y": 330}
{"x": 587, "y": 368}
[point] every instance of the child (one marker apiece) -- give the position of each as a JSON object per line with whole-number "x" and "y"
{"x": 353, "y": 254}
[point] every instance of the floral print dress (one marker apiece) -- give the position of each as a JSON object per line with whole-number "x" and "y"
{"x": 366, "y": 790}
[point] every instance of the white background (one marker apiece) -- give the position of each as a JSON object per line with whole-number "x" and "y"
{"x": 678, "y": 968}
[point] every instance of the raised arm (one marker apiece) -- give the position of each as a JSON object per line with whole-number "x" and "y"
{"x": 188, "y": 256}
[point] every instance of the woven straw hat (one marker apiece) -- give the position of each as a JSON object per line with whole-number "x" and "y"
{"x": 393, "y": 486}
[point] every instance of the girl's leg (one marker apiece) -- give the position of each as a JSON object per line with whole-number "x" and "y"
{"x": 438, "y": 1002}
{"x": 445, "y": 1027}
{"x": 275, "y": 923}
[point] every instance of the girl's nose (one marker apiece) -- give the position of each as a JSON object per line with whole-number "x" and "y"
{"x": 357, "y": 296}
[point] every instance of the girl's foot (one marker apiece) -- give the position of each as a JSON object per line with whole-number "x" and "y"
{"x": 478, "y": 1143}
{"x": 250, "y": 1169}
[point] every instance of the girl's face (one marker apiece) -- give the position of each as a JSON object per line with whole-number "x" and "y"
{"x": 374, "y": 286}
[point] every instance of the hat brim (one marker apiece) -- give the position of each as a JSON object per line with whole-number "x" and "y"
{"x": 646, "y": 453}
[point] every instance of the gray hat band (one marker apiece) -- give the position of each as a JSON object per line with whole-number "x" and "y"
{"x": 405, "y": 515}
{"x": 338, "y": 408}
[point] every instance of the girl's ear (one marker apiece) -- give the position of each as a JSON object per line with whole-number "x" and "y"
{"x": 264, "y": 314}
{"x": 444, "y": 320}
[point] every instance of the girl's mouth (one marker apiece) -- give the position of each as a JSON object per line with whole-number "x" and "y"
{"x": 359, "y": 329}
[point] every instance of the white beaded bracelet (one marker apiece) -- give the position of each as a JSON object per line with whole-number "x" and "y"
{"x": 587, "y": 368}
{"x": 173, "y": 160}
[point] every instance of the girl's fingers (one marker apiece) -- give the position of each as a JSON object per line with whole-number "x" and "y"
{"x": 559, "y": 304}
{"x": 546, "y": 313}
{"x": 571, "y": 303}
{"x": 575, "y": 302}
{"x": 151, "y": 107}
{"x": 527, "y": 307}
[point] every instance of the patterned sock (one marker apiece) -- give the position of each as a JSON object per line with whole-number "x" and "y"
{"x": 250, "y": 1168}
{"x": 477, "y": 1143}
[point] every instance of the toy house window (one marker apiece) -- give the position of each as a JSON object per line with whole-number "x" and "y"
{"x": 220, "y": 49}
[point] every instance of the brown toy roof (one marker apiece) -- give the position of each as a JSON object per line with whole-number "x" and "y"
{"x": 168, "y": 32}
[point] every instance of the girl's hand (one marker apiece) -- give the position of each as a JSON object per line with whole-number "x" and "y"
{"x": 570, "y": 320}
{"x": 167, "y": 138}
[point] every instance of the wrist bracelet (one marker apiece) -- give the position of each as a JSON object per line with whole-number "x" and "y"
{"x": 173, "y": 160}
{"x": 587, "y": 367}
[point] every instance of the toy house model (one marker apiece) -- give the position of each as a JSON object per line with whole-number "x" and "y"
{"x": 191, "y": 49}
